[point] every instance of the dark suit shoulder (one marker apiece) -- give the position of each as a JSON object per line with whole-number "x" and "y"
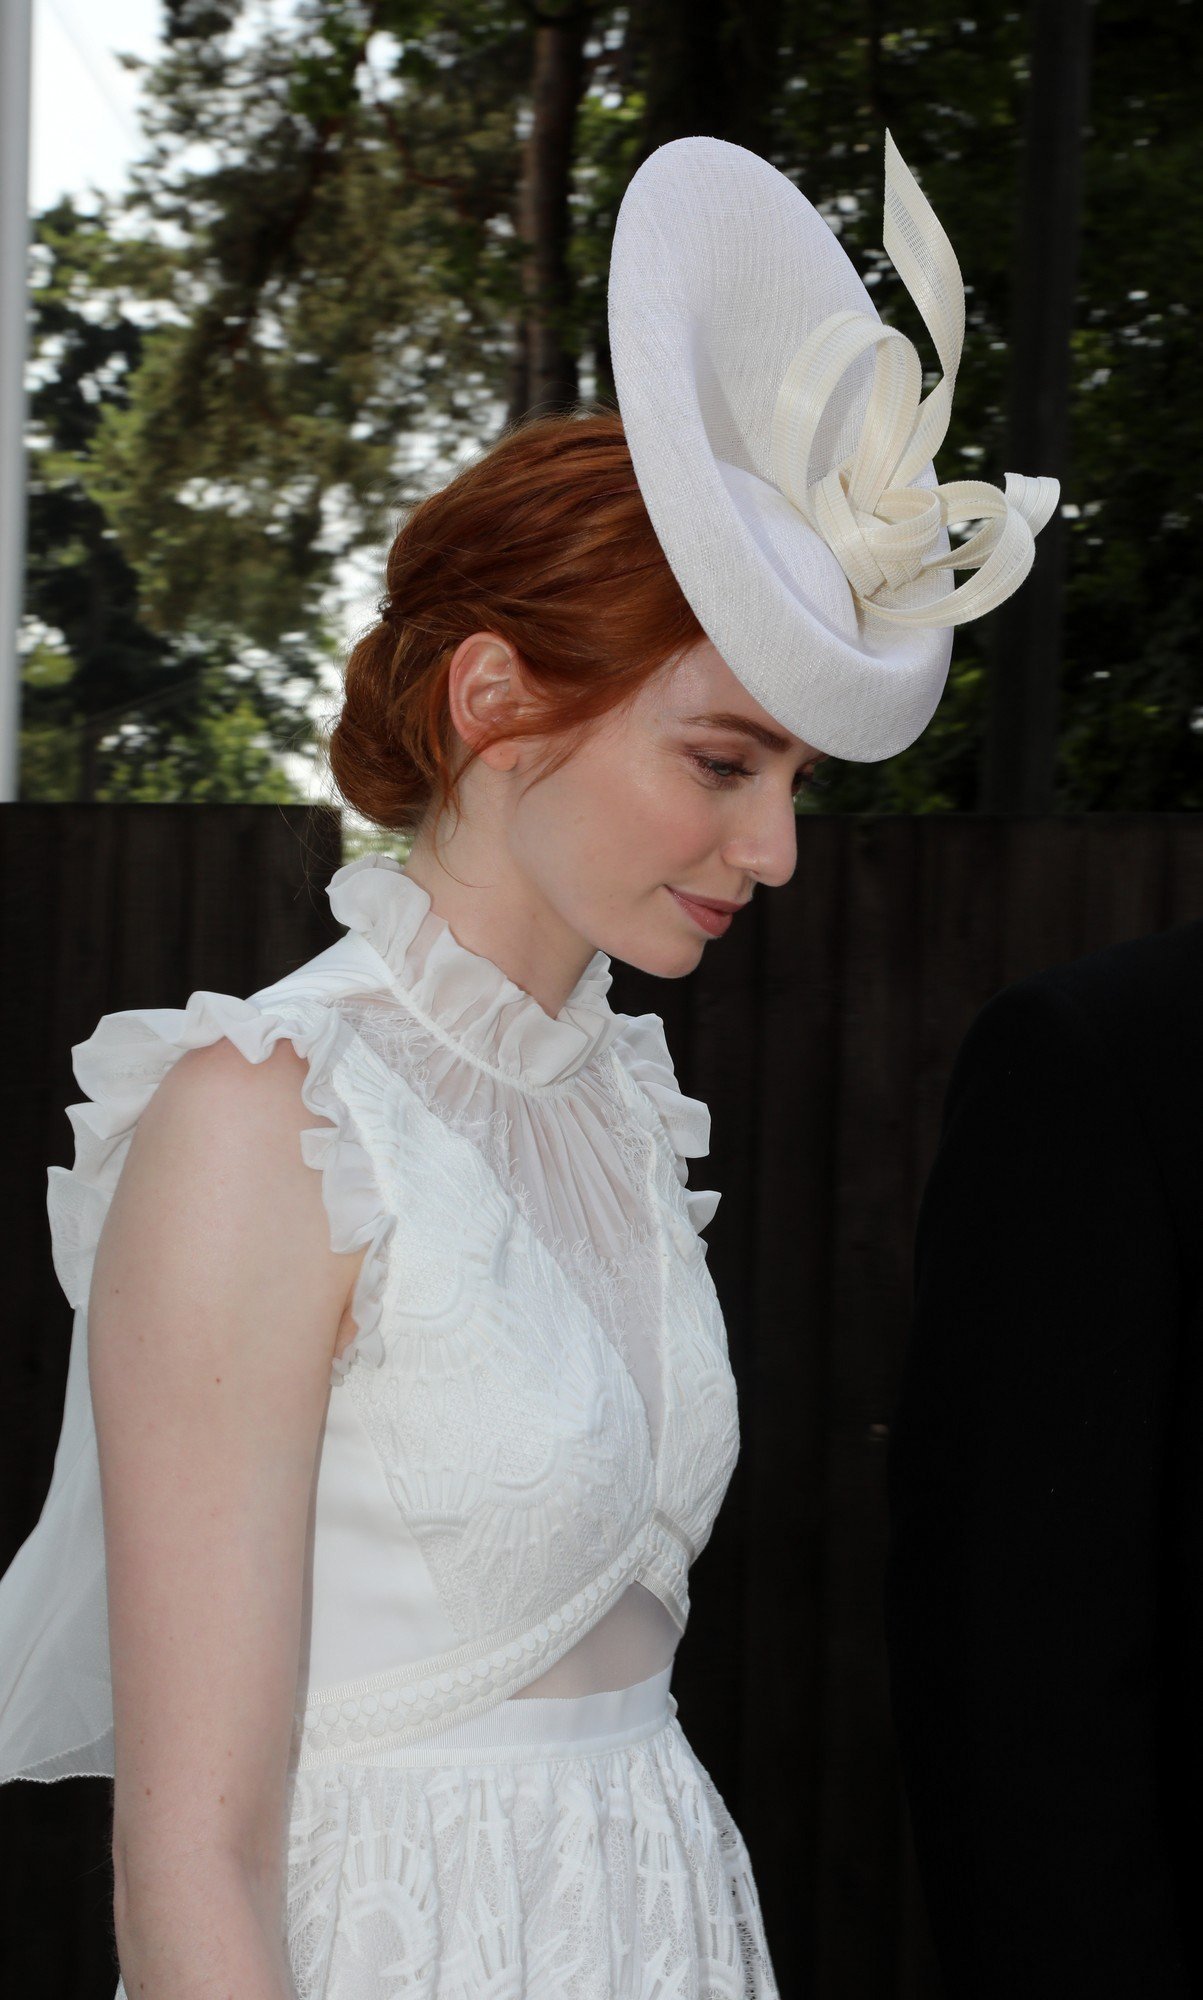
{"x": 1140, "y": 986}
{"x": 1132, "y": 1010}
{"x": 1042, "y": 1605}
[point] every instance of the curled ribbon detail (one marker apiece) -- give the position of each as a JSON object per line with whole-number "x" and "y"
{"x": 881, "y": 529}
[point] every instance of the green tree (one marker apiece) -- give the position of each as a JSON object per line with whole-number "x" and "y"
{"x": 337, "y": 309}
{"x": 341, "y": 299}
{"x": 114, "y": 706}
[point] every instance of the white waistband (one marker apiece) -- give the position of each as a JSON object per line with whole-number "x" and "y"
{"x": 542, "y": 1726}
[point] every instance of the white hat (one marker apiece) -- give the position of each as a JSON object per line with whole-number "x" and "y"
{"x": 779, "y": 441}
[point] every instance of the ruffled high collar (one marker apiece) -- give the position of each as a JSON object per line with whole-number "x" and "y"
{"x": 467, "y": 998}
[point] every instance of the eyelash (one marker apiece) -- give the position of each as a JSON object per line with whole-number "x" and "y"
{"x": 728, "y": 773}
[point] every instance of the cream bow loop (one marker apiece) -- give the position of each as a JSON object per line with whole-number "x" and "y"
{"x": 881, "y": 529}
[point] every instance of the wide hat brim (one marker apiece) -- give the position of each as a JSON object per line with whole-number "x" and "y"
{"x": 719, "y": 270}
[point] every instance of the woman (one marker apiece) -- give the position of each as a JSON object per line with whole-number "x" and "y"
{"x": 404, "y": 1461}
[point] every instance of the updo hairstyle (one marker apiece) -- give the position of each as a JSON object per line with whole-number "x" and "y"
{"x": 544, "y": 539}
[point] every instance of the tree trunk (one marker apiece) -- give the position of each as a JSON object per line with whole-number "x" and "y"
{"x": 712, "y": 68}
{"x": 550, "y": 368}
{"x": 709, "y": 67}
{"x": 88, "y": 761}
{"x": 519, "y": 401}
{"x": 1020, "y": 745}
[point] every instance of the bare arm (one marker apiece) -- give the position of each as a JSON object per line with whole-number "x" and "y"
{"x": 214, "y": 1312}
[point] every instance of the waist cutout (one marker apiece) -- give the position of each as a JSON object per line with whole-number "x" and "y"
{"x": 541, "y": 1726}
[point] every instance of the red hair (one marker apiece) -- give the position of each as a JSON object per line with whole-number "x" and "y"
{"x": 545, "y": 540}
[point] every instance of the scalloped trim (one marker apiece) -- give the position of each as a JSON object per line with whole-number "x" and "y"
{"x": 121, "y": 1065}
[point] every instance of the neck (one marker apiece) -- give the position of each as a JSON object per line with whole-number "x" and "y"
{"x": 477, "y": 888}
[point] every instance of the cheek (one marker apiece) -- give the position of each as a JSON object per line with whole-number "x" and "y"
{"x": 670, "y": 810}
{"x": 636, "y": 800}
{"x": 640, "y": 787}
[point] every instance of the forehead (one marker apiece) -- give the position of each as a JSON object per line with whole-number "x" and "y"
{"x": 699, "y": 690}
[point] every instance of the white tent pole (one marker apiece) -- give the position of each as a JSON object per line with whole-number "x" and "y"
{"x": 16, "y": 31}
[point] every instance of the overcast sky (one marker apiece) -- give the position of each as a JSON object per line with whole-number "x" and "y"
{"x": 84, "y": 113}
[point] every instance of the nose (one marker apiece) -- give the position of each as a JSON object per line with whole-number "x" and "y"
{"x": 764, "y": 844}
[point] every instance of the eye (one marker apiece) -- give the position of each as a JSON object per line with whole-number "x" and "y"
{"x": 725, "y": 772}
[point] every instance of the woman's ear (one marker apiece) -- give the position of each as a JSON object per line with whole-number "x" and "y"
{"x": 484, "y": 687}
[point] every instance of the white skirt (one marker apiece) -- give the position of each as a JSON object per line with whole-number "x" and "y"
{"x": 554, "y": 1848}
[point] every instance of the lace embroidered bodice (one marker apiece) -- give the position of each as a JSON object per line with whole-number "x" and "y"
{"x": 534, "y": 1424}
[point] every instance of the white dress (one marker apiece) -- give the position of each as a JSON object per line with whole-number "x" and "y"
{"x": 525, "y": 1447}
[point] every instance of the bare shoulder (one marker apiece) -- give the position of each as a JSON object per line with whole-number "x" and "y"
{"x": 227, "y": 1113}
{"x": 250, "y": 1092}
{"x": 215, "y": 1182}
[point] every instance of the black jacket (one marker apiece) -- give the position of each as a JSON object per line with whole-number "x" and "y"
{"x": 1044, "y": 1594}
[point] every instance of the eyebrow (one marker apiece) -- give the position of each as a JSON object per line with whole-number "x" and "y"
{"x": 769, "y": 739}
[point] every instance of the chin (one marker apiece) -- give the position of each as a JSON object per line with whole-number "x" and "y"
{"x": 672, "y": 961}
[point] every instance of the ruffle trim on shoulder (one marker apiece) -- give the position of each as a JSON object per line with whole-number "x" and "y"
{"x": 641, "y": 1047}
{"x": 121, "y": 1065}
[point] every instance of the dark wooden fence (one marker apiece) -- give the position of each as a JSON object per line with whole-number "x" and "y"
{"x": 821, "y": 1033}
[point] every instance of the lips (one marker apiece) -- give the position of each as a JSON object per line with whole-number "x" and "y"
{"x": 713, "y": 921}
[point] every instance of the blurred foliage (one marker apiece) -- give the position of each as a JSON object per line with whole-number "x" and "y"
{"x": 306, "y": 311}
{"x": 341, "y": 289}
{"x": 179, "y": 709}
